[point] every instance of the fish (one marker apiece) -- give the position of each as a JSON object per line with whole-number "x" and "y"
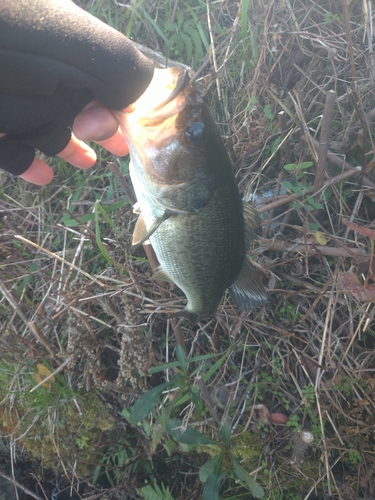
{"x": 188, "y": 201}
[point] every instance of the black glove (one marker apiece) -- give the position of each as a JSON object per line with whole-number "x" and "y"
{"x": 54, "y": 59}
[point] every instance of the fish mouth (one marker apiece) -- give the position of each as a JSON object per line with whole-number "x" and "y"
{"x": 150, "y": 123}
{"x": 182, "y": 80}
{"x": 167, "y": 91}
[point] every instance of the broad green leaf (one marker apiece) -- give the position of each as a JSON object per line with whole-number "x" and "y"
{"x": 196, "y": 37}
{"x": 212, "y": 487}
{"x": 290, "y": 167}
{"x": 145, "y": 404}
{"x": 318, "y": 205}
{"x": 203, "y": 37}
{"x": 297, "y": 205}
{"x": 267, "y": 112}
{"x": 82, "y": 219}
{"x": 99, "y": 207}
{"x": 327, "y": 193}
{"x": 224, "y": 434}
{"x": 196, "y": 398}
{"x": 210, "y": 467}
{"x": 188, "y": 436}
{"x": 187, "y": 43}
{"x": 274, "y": 144}
{"x": 305, "y": 164}
{"x": 241, "y": 474}
{"x": 252, "y": 103}
{"x": 288, "y": 185}
{"x": 320, "y": 238}
{"x": 310, "y": 199}
{"x": 214, "y": 367}
{"x": 152, "y": 22}
{"x": 155, "y": 493}
{"x": 181, "y": 358}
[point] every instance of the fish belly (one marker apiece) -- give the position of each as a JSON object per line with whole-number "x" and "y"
{"x": 202, "y": 253}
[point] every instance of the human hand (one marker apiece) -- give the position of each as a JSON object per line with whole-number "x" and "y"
{"x": 56, "y": 60}
{"x": 95, "y": 123}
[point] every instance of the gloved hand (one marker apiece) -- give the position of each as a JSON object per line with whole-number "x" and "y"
{"x": 54, "y": 59}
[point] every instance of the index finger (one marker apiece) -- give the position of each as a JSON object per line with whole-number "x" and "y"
{"x": 97, "y": 123}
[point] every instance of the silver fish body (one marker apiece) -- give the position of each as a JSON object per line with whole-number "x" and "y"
{"x": 189, "y": 203}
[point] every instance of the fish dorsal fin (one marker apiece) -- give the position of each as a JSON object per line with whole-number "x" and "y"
{"x": 141, "y": 234}
{"x": 252, "y": 222}
{"x": 161, "y": 275}
{"x": 247, "y": 290}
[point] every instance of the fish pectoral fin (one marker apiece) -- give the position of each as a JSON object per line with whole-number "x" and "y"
{"x": 140, "y": 231}
{"x": 161, "y": 275}
{"x": 252, "y": 222}
{"x": 141, "y": 234}
{"x": 136, "y": 208}
{"x": 247, "y": 291}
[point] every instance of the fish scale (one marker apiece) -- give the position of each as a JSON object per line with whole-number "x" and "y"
{"x": 178, "y": 243}
{"x": 188, "y": 199}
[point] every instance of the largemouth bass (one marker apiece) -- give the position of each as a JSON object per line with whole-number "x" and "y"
{"x": 188, "y": 199}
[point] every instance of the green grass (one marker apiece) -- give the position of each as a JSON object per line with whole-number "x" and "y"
{"x": 307, "y": 355}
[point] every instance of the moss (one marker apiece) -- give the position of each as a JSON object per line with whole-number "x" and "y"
{"x": 64, "y": 431}
{"x": 247, "y": 447}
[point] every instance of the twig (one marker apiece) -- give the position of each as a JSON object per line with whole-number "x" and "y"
{"x": 213, "y": 50}
{"x": 349, "y": 40}
{"x": 9, "y": 297}
{"x": 303, "y": 284}
{"x": 272, "y": 211}
{"x": 302, "y": 441}
{"x": 324, "y": 138}
{"x": 353, "y": 172}
{"x": 299, "y": 106}
{"x": 58, "y": 370}
{"x": 282, "y": 246}
{"x": 55, "y": 256}
{"x": 340, "y": 162}
{"x": 21, "y": 486}
{"x": 361, "y": 138}
{"x": 17, "y": 309}
{"x": 364, "y": 119}
{"x": 114, "y": 168}
{"x": 357, "y": 205}
{"x": 206, "y": 396}
{"x": 174, "y": 12}
{"x": 207, "y": 61}
{"x": 39, "y": 335}
{"x": 356, "y": 125}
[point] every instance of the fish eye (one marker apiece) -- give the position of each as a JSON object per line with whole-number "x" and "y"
{"x": 194, "y": 132}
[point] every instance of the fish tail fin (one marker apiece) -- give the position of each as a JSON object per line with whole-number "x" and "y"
{"x": 247, "y": 290}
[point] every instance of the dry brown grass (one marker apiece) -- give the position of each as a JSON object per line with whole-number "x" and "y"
{"x": 309, "y": 353}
